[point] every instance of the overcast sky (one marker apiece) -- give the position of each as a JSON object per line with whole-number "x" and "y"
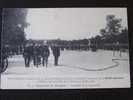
{"x": 69, "y": 23}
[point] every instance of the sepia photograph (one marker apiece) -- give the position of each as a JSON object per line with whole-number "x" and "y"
{"x": 64, "y": 48}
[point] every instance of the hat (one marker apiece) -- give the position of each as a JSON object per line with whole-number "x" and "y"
{"x": 44, "y": 42}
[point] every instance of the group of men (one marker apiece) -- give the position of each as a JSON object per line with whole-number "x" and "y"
{"x": 39, "y": 54}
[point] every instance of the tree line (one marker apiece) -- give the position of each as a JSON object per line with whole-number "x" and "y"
{"x": 14, "y": 23}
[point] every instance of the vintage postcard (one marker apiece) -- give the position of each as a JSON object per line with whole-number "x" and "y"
{"x": 64, "y": 48}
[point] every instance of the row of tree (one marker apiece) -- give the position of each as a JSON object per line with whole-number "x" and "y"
{"x": 112, "y": 36}
{"x": 13, "y": 25}
{"x": 112, "y": 33}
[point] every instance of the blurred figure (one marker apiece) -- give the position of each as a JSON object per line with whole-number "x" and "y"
{"x": 117, "y": 48}
{"x": 39, "y": 48}
{"x": 45, "y": 54}
{"x": 4, "y": 58}
{"x": 28, "y": 52}
{"x": 56, "y": 54}
{"x": 36, "y": 55}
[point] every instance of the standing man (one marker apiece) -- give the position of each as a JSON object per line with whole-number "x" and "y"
{"x": 28, "y": 52}
{"x": 39, "y": 54}
{"x": 36, "y": 55}
{"x": 56, "y": 54}
{"x": 26, "y": 55}
{"x": 45, "y": 54}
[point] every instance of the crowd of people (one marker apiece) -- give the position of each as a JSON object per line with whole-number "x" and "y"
{"x": 39, "y": 54}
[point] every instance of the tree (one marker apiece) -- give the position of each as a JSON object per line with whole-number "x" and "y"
{"x": 113, "y": 25}
{"x": 123, "y": 37}
{"x": 111, "y": 32}
{"x": 13, "y": 25}
{"x": 103, "y": 32}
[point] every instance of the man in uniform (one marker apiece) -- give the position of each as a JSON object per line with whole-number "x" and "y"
{"x": 56, "y": 54}
{"x": 4, "y": 56}
{"x": 35, "y": 54}
{"x": 45, "y": 54}
{"x": 28, "y": 52}
{"x": 38, "y": 54}
{"x": 26, "y": 55}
